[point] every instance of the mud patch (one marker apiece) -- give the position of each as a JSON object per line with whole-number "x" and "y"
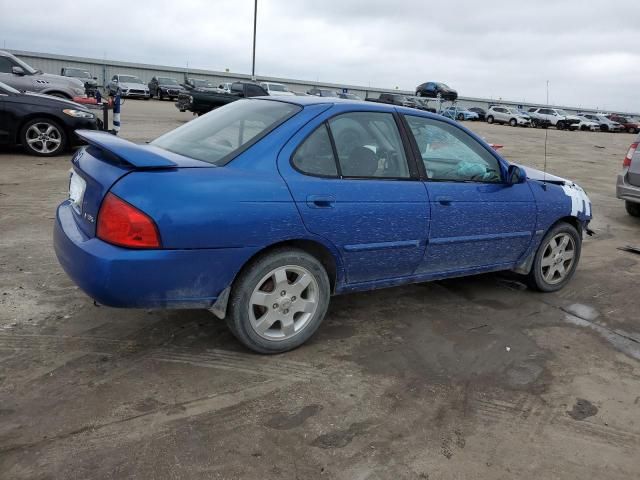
{"x": 341, "y": 438}
{"x": 287, "y": 421}
{"x": 582, "y": 409}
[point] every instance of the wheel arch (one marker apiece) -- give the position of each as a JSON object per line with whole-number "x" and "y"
{"x": 327, "y": 255}
{"x": 58, "y": 92}
{"x": 524, "y": 266}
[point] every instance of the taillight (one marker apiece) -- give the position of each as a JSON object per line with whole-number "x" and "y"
{"x": 627, "y": 160}
{"x": 124, "y": 225}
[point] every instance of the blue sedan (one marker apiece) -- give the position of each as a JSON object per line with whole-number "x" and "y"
{"x": 261, "y": 210}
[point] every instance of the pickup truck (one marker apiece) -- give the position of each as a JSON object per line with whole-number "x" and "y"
{"x": 201, "y": 100}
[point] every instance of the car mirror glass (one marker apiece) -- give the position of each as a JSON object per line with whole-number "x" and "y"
{"x": 515, "y": 175}
{"x": 17, "y": 71}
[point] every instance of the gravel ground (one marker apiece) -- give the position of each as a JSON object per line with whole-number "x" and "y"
{"x": 469, "y": 378}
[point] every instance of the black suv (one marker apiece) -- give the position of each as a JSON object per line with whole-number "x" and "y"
{"x": 165, "y": 87}
{"x": 433, "y": 89}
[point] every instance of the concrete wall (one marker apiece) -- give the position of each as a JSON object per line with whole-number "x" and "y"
{"x": 105, "y": 69}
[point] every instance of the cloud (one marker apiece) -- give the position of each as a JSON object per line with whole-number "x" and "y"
{"x": 499, "y": 49}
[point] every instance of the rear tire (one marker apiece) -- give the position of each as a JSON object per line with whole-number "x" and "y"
{"x": 278, "y": 301}
{"x": 460, "y": 117}
{"x": 490, "y": 119}
{"x": 513, "y": 122}
{"x": 633, "y": 208}
{"x": 554, "y": 264}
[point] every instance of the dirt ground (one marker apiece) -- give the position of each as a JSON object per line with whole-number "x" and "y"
{"x": 474, "y": 378}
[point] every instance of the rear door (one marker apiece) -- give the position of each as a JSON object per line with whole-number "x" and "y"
{"x": 354, "y": 185}
{"x": 477, "y": 220}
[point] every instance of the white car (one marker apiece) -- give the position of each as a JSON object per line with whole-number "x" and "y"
{"x": 558, "y": 117}
{"x": 128, "y": 86}
{"x": 587, "y": 124}
{"x": 277, "y": 89}
{"x": 512, "y": 116}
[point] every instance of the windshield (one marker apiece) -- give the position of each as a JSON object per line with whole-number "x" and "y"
{"x": 216, "y": 137}
{"x": 561, "y": 112}
{"x": 328, "y": 93}
{"x": 202, "y": 83}
{"x": 26, "y": 67}
{"x": 442, "y": 85}
{"x": 7, "y": 89}
{"x": 167, "y": 81}
{"x": 129, "y": 79}
{"x": 277, "y": 87}
{"x": 75, "y": 72}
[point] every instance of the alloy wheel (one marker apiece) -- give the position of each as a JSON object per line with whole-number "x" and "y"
{"x": 43, "y": 138}
{"x": 557, "y": 259}
{"x": 283, "y": 302}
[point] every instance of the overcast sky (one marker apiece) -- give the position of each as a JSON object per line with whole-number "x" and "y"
{"x": 588, "y": 50}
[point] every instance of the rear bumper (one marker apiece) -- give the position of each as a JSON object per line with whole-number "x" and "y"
{"x": 626, "y": 191}
{"x": 121, "y": 277}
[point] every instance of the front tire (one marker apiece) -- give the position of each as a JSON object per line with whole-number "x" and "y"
{"x": 556, "y": 259}
{"x": 513, "y": 122}
{"x": 460, "y": 117}
{"x": 278, "y": 301}
{"x": 633, "y": 208}
{"x": 43, "y": 137}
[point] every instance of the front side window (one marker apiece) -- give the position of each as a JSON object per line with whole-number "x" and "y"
{"x": 368, "y": 144}
{"x": 218, "y": 136}
{"x": 449, "y": 154}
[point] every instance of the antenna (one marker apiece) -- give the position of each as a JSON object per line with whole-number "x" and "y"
{"x": 546, "y": 132}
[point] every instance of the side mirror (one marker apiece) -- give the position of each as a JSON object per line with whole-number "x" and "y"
{"x": 95, "y": 78}
{"x": 515, "y": 175}
{"x": 17, "y": 71}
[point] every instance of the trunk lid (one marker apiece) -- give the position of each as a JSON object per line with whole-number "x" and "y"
{"x": 106, "y": 160}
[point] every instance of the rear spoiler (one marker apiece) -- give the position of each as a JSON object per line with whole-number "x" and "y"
{"x": 137, "y": 155}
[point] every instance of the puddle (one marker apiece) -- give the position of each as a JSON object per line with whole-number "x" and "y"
{"x": 619, "y": 339}
{"x": 583, "y": 311}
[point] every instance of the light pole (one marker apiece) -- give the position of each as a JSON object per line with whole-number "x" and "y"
{"x": 255, "y": 19}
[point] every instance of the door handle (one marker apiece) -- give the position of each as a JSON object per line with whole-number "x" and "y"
{"x": 444, "y": 200}
{"x": 321, "y": 201}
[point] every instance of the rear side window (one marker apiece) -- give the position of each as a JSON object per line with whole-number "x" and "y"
{"x": 315, "y": 155}
{"x": 369, "y": 145}
{"x": 225, "y": 132}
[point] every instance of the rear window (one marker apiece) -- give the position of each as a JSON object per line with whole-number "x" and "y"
{"x": 222, "y": 134}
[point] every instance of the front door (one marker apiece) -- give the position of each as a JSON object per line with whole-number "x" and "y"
{"x": 477, "y": 220}
{"x": 353, "y": 185}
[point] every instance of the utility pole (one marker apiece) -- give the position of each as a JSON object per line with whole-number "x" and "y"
{"x": 255, "y": 20}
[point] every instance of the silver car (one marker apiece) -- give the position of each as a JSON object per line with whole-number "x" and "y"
{"x": 512, "y": 116}
{"x": 128, "y": 86}
{"x": 628, "y": 186}
{"x": 22, "y": 76}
